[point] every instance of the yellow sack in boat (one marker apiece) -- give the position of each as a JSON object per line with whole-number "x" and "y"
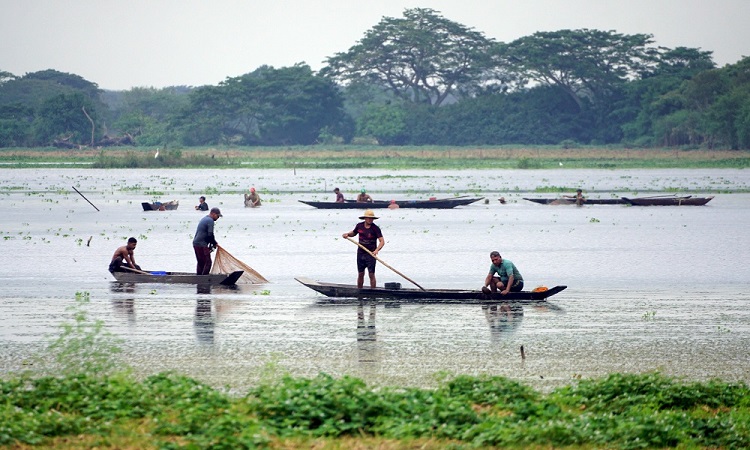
{"x": 540, "y": 289}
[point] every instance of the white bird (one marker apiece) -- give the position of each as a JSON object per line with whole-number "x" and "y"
{"x": 156, "y": 155}
{"x": 561, "y": 163}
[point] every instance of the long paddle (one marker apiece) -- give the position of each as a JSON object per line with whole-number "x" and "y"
{"x": 135, "y": 270}
{"x": 383, "y": 262}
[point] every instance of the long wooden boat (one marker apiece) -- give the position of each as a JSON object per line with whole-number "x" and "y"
{"x": 572, "y": 201}
{"x": 668, "y": 201}
{"x": 411, "y": 295}
{"x": 158, "y": 206}
{"x": 178, "y": 277}
{"x": 439, "y": 203}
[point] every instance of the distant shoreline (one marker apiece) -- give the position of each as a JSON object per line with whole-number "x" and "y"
{"x": 348, "y": 157}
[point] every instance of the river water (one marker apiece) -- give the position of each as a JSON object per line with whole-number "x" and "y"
{"x": 649, "y": 288}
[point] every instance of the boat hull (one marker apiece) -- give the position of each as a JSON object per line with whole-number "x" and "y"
{"x": 572, "y": 201}
{"x": 179, "y": 278}
{"x": 464, "y": 296}
{"x": 168, "y": 206}
{"x": 669, "y": 201}
{"x": 443, "y": 203}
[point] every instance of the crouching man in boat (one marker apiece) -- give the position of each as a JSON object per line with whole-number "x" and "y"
{"x": 372, "y": 239}
{"x": 204, "y": 241}
{"x": 124, "y": 257}
{"x": 504, "y": 276}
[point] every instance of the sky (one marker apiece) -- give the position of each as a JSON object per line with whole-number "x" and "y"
{"x": 121, "y": 44}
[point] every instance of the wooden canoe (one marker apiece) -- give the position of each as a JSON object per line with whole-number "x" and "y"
{"x": 572, "y": 201}
{"x": 412, "y": 295}
{"x": 178, "y": 277}
{"x": 668, "y": 201}
{"x": 440, "y": 203}
{"x": 158, "y": 206}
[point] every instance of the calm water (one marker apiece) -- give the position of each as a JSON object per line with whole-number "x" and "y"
{"x": 649, "y": 288}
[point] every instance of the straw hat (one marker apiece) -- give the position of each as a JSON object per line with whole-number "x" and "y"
{"x": 368, "y": 214}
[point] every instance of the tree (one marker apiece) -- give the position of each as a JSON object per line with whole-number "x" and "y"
{"x": 589, "y": 65}
{"x": 421, "y": 58}
{"x": 287, "y": 106}
{"x": 64, "y": 118}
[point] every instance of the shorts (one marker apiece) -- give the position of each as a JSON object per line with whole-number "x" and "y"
{"x": 365, "y": 261}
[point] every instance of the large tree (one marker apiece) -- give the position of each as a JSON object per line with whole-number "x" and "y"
{"x": 589, "y": 65}
{"x": 421, "y": 58}
{"x": 286, "y": 106}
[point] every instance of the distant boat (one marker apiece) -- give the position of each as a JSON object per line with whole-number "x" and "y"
{"x": 159, "y": 206}
{"x": 437, "y": 203}
{"x": 660, "y": 200}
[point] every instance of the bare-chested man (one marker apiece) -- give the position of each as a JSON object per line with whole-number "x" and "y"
{"x": 124, "y": 257}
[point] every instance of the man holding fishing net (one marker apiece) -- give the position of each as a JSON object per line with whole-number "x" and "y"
{"x": 204, "y": 241}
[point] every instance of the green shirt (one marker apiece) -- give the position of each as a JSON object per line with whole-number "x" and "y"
{"x": 506, "y": 269}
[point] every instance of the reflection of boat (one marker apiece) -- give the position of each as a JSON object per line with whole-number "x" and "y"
{"x": 438, "y": 203}
{"x": 159, "y": 206}
{"x": 411, "y": 295}
{"x": 572, "y": 201}
{"x": 178, "y": 277}
{"x": 668, "y": 201}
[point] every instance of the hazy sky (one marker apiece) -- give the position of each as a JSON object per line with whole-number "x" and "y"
{"x": 120, "y": 44}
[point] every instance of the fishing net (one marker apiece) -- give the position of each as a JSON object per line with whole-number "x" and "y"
{"x": 224, "y": 262}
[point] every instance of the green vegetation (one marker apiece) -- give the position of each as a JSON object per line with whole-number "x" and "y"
{"x": 361, "y": 156}
{"x": 95, "y": 407}
{"x": 420, "y": 79}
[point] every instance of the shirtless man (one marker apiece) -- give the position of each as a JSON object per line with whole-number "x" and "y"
{"x": 124, "y": 257}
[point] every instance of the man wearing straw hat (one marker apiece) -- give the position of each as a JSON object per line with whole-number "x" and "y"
{"x": 372, "y": 239}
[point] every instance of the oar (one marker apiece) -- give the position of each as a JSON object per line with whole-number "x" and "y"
{"x": 135, "y": 270}
{"x": 384, "y": 263}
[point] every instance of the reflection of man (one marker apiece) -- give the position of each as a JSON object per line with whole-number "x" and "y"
{"x": 204, "y": 321}
{"x": 503, "y": 318}
{"x": 204, "y": 241}
{"x": 124, "y": 257}
{"x": 366, "y": 335}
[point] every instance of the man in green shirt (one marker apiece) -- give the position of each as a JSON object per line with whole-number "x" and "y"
{"x": 504, "y": 276}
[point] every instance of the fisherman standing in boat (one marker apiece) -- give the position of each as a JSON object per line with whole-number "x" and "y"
{"x": 372, "y": 239}
{"x": 508, "y": 277}
{"x": 124, "y": 257}
{"x": 204, "y": 241}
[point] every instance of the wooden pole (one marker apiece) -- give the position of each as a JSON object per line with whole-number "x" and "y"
{"x": 383, "y": 262}
{"x": 84, "y": 197}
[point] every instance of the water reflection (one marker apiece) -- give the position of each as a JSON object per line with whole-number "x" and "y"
{"x": 124, "y": 307}
{"x": 368, "y": 354}
{"x": 503, "y": 318}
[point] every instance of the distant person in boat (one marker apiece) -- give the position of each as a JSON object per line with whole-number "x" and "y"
{"x": 363, "y": 197}
{"x": 393, "y": 205}
{"x": 579, "y": 198}
{"x": 372, "y": 239}
{"x": 124, "y": 257}
{"x": 252, "y": 200}
{"x": 202, "y": 205}
{"x": 339, "y": 196}
{"x": 503, "y": 276}
{"x": 204, "y": 241}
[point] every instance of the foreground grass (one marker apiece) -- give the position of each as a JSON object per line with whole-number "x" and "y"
{"x": 380, "y": 157}
{"x": 171, "y": 411}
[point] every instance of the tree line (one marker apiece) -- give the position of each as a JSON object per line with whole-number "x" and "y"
{"x": 420, "y": 79}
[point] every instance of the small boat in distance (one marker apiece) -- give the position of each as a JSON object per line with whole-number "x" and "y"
{"x": 159, "y": 206}
{"x": 669, "y": 201}
{"x": 435, "y": 203}
{"x": 411, "y": 295}
{"x": 225, "y": 279}
{"x": 660, "y": 200}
